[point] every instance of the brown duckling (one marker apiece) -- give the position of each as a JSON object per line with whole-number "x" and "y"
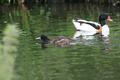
{"x": 60, "y": 41}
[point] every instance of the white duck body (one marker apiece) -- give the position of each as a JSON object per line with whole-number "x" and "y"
{"x": 105, "y": 30}
{"x": 87, "y": 29}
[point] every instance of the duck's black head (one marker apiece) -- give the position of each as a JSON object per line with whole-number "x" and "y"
{"x": 44, "y": 41}
{"x": 103, "y": 18}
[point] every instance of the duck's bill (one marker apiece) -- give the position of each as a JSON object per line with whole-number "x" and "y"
{"x": 109, "y": 18}
{"x": 37, "y": 38}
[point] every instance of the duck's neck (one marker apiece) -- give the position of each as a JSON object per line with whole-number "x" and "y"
{"x": 103, "y": 22}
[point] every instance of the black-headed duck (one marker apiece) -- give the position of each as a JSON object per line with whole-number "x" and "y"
{"x": 91, "y": 28}
{"x": 60, "y": 41}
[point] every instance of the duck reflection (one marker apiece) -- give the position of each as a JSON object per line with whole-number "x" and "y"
{"x": 80, "y": 37}
{"x": 106, "y": 43}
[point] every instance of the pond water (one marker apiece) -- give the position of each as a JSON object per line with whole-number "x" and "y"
{"x": 91, "y": 59}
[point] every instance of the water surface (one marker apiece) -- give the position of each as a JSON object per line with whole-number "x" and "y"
{"x": 91, "y": 59}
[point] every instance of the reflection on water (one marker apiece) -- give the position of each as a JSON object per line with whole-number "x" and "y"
{"x": 80, "y": 37}
{"x": 83, "y": 39}
{"x": 106, "y": 43}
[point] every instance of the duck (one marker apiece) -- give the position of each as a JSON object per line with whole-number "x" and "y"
{"x": 91, "y": 27}
{"x": 59, "y": 41}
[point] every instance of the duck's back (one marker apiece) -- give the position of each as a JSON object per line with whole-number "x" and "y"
{"x": 86, "y": 26}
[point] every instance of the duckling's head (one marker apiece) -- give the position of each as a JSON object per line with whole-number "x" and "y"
{"x": 44, "y": 41}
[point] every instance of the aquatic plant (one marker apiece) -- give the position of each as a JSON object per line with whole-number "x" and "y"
{"x": 7, "y": 51}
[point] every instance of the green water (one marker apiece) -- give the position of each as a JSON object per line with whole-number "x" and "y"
{"x": 89, "y": 60}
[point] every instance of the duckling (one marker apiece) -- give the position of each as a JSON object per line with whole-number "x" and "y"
{"x": 60, "y": 41}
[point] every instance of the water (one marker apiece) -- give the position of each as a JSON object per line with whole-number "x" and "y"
{"x": 92, "y": 58}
